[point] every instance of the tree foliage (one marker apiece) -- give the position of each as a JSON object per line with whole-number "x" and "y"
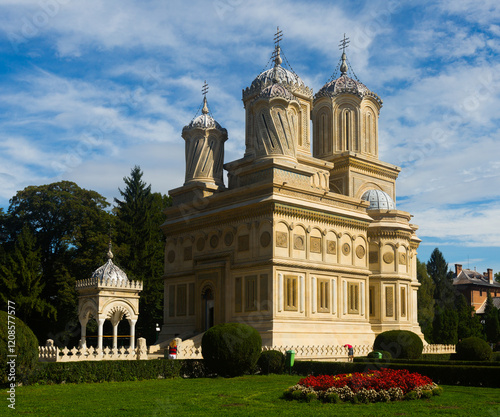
{"x": 21, "y": 279}
{"x": 425, "y": 300}
{"x": 141, "y": 245}
{"x": 491, "y": 324}
{"x": 437, "y": 267}
{"x": 469, "y": 324}
{"x": 70, "y": 227}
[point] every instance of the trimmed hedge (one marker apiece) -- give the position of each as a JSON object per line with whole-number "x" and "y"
{"x": 401, "y": 344}
{"x": 473, "y": 349}
{"x": 231, "y": 349}
{"x": 271, "y": 362}
{"x": 115, "y": 371}
{"x": 26, "y": 348}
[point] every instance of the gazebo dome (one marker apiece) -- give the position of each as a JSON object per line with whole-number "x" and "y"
{"x": 379, "y": 200}
{"x": 109, "y": 271}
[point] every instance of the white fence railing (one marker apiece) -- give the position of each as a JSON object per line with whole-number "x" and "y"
{"x": 189, "y": 350}
{"x": 54, "y": 354}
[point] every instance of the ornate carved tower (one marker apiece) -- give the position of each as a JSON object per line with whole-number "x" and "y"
{"x": 345, "y": 131}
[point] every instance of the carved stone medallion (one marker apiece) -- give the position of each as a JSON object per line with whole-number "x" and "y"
{"x": 171, "y": 256}
{"x": 402, "y": 258}
{"x": 228, "y": 238}
{"x": 214, "y": 241}
{"x": 265, "y": 239}
{"x": 298, "y": 242}
{"x": 346, "y": 249}
{"x": 388, "y": 257}
{"x": 200, "y": 244}
{"x": 360, "y": 252}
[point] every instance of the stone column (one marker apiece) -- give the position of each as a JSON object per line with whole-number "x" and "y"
{"x": 115, "y": 336}
{"x": 83, "y": 333}
{"x": 132, "y": 333}
{"x": 99, "y": 334}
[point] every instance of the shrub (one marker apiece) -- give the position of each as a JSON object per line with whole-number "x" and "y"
{"x": 473, "y": 349}
{"x": 26, "y": 348}
{"x": 231, "y": 349}
{"x": 374, "y": 354}
{"x": 401, "y": 344}
{"x": 271, "y": 362}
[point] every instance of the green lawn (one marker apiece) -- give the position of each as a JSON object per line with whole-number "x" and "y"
{"x": 245, "y": 396}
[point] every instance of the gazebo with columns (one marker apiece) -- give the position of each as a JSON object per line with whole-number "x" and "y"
{"x": 108, "y": 295}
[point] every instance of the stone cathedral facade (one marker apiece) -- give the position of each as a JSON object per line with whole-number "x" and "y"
{"x": 305, "y": 242}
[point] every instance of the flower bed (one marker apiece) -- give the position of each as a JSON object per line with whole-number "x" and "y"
{"x": 371, "y": 386}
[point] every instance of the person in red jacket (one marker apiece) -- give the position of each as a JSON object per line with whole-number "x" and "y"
{"x": 351, "y": 352}
{"x": 172, "y": 350}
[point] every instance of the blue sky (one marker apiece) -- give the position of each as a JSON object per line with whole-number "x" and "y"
{"x": 90, "y": 89}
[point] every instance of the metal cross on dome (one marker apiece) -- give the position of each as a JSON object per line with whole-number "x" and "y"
{"x": 344, "y": 43}
{"x": 204, "y": 89}
{"x": 278, "y": 37}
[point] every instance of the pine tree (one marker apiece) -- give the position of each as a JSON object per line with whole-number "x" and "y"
{"x": 469, "y": 324}
{"x": 491, "y": 325}
{"x": 21, "y": 279}
{"x": 141, "y": 245}
{"x": 445, "y": 326}
{"x": 437, "y": 267}
{"x": 425, "y": 300}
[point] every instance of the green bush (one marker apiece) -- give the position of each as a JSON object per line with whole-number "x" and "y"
{"x": 25, "y": 346}
{"x": 401, "y": 344}
{"x": 374, "y": 354}
{"x": 473, "y": 349}
{"x": 105, "y": 371}
{"x": 271, "y": 362}
{"x": 231, "y": 349}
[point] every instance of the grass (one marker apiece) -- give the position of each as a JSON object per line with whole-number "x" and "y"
{"x": 243, "y": 396}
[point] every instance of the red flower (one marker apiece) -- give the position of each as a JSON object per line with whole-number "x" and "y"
{"x": 382, "y": 379}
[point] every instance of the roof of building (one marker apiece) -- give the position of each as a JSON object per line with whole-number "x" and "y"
{"x": 379, "y": 200}
{"x": 109, "y": 271}
{"x": 496, "y": 304}
{"x": 469, "y": 277}
{"x": 204, "y": 120}
{"x": 346, "y": 85}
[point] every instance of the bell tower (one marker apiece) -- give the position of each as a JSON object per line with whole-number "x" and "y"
{"x": 345, "y": 131}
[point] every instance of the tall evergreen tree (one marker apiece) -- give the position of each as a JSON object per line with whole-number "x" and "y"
{"x": 469, "y": 323}
{"x": 425, "y": 301}
{"x": 140, "y": 247}
{"x": 437, "y": 267}
{"x": 445, "y": 326}
{"x": 21, "y": 279}
{"x": 491, "y": 323}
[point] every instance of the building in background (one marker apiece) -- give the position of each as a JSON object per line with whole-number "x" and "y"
{"x": 475, "y": 286}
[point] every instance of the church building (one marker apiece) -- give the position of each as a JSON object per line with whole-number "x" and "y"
{"x": 304, "y": 242}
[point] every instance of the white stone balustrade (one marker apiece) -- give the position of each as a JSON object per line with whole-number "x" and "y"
{"x": 189, "y": 350}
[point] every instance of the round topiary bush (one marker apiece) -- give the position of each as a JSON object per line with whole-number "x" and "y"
{"x": 26, "y": 348}
{"x": 271, "y": 362}
{"x": 231, "y": 349}
{"x": 401, "y": 344}
{"x": 473, "y": 349}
